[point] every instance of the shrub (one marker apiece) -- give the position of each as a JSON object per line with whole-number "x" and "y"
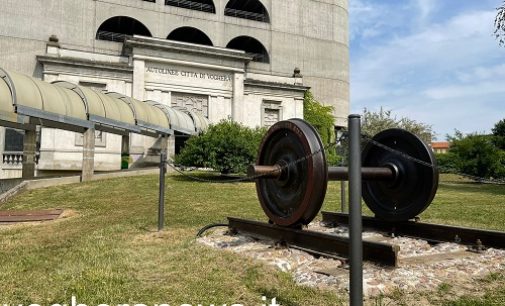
{"x": 477, "y": 155}
{"x": 227, "y": 147}
{"x": 446, "y": 162}
{"x": 321, "y": 118}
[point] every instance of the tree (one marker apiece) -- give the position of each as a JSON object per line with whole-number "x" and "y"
{"x": 499, "y": 24}
{"x": 499, "y": 128}
{"x": 374, "y": 122}
{"x": 227, "y": 147}
{"x": 499, "y": 134}
{"x": 320, "y": 116}
{"x": 476, "y": 154}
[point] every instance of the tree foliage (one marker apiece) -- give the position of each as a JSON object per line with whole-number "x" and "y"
{"x": 499, "y": 134}
{"x": 374, "y": 122}
{"x": 499, "y": 128}
{"x": 321, "y": 117}
{"x": 228, "y": 147}
{"x": 499, "y": 24}
{"x": 476, "y": 154}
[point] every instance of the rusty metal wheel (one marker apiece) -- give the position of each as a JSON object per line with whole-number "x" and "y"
{"x": 415, "y": 185}
{"x": 296, "y": 196}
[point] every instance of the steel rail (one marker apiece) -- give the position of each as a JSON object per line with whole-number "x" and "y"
{"x": 427, "y": 231}
{"x": 320, "y": 243}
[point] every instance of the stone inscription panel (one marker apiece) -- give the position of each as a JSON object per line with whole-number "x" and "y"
{"x": 271, "y": 117}
{"x": 188, "y": 76}
{"x": 192, "y": 102}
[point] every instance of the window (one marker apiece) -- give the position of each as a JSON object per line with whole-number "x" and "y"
{"x": 190, "y": 35}
{"x": 14, "y": 147}
{"x": 251, "y": 46}
{"x": 271, "y": 112}
{"x": 100, "y": 139}
{"x": 247, "y": 9}
{"x": 197, "y": 5}
{"x": 120, "y": 27}
{"x": 13, "y": 140}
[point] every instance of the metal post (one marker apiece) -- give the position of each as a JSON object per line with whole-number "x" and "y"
{"x": 355, "y": 226}
{"x": 161, "y": 203}
{"x": 342, "y": 195}
{"x": 340, "y": 151}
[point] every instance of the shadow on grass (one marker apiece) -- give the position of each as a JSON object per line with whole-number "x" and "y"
{"x": 208, "y": 177}
{"x": 474, "y": 187}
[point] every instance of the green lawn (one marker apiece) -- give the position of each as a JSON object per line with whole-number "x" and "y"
{"x": 108, "y": 250}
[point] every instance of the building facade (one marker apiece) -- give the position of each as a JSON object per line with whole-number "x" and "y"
{"x": 440, "y": 147}
{"x": 249, "y": 61}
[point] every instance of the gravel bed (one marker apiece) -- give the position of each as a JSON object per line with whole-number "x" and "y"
{"x": 419, "y": 270}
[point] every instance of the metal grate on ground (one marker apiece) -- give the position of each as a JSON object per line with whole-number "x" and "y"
{"x": 8, "y": 217}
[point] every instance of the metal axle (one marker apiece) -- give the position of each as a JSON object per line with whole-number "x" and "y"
{"x": 334, "y": 173}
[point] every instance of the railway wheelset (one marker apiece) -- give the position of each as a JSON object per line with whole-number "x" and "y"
{"x": 292, "y": 174}
{"x": 399, "y": 179}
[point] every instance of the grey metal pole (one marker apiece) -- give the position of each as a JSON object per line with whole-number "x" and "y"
{"x": 355, "y": 226}
{"x": 342, "y": 195}
{"x": 340, "y": 151}
{"x": 161, "y": 202}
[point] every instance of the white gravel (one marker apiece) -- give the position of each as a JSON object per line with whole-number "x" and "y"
{"x": 420, "y": 269}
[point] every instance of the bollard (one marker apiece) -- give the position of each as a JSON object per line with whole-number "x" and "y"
{"x": 339, "y": 148}
{"x": 161, "y": 202}
{"x": 355, "y": 222}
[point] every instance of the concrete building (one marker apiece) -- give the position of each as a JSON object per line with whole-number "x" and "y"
{"x": 249, "y": 61}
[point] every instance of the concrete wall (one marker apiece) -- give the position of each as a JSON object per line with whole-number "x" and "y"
{"x": 62, "y": 150}
{"x": 309, "y": 34}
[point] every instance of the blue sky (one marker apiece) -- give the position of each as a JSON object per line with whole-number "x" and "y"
{"x": 434, "y": 61}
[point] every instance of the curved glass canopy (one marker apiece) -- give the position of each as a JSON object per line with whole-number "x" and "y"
{"x": 77, "y": 106}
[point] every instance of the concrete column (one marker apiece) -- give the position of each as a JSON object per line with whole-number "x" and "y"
{"x": 29, "y": 146}
{"x": 2, "y": 149}
{"x": 171, "y": 146}
{"x": 164, "y": 143}
{"x": 167, "y": 98}
{"x": 139, "y": 68}
{"x": 88, "y": 155}
{"x": 125, "y": 152}
{"x": 237, "y": 105}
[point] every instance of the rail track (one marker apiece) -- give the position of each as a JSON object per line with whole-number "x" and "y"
{"x": 383, "y": 252}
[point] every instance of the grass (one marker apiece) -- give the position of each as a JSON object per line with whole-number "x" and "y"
{"x": 108, "y": 250}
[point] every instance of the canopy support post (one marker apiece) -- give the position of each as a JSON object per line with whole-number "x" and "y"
{"x": 88, "y": 155}
{"x": 171, "y": 146}
{"x": 29, "y": 147}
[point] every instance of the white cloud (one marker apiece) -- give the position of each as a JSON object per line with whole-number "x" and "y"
{"x": 452, "y": 43}
{"x": 426, "y": 7}
{"x": 368, "y": 19}
{"x": 443, "y": 74}
{"x": 466, "y": 91}
{"x": 482, "y": 73}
